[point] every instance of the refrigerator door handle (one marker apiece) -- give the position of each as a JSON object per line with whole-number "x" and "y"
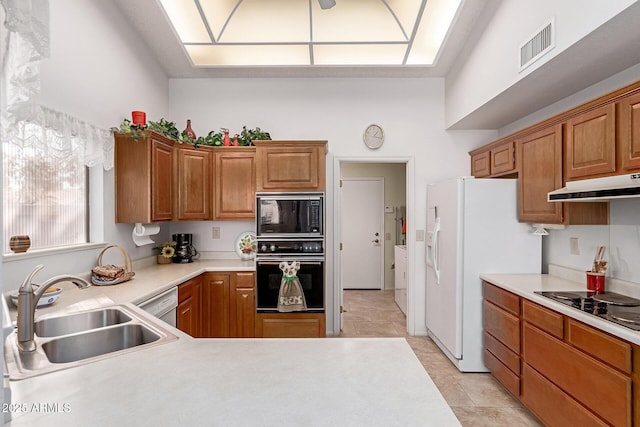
{"x": 436, "y": 249}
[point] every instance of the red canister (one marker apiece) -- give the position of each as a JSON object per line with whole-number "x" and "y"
{"x": 595, "y": 282}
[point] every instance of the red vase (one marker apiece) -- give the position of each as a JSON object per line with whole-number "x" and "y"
{"x": 226, "y": 141}
{"x": 235, "y": 140}
{"x": 190, "y": 131}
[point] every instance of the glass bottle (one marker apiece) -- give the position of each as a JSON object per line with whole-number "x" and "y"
{"x": 190, "y": 131}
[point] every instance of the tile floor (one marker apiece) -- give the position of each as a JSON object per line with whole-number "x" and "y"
{"x": 477, "y": 399}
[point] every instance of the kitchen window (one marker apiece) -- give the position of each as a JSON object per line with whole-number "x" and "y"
{"x": 45, "y": 188}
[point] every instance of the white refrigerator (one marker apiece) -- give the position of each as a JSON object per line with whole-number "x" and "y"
{"x": 472, "y": 228}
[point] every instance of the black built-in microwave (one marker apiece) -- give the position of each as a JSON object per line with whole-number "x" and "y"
{"x": 290, "y": 215}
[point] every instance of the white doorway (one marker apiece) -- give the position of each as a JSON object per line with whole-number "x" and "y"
{"x": 362, "y": 233}
{"x": 394, "y": 170}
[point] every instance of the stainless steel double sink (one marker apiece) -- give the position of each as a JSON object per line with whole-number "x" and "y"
{"x": 74, "y": 339}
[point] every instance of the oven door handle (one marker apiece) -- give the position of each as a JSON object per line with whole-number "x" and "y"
{"x": 288, "y": 260}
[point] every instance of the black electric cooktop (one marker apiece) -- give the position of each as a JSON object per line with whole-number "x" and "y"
{"x": 610, "y": 306}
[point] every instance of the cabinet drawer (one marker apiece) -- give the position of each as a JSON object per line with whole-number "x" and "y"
{"x": 510, "y": 359}
{"x": 245, "y": 280}
{"x": 508, "y": 379}
{"x": 185, "y": 291}
{"x": 600, "y": 388}
{"x": 501, "y": 298}
{"x": 543, "y": 318}
{"x": 553, "y": 406}
{"x": 608, "y": 349}
{"x": 502, "y": 325}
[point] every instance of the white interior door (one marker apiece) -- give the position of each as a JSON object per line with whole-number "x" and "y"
{"x": 362, "y": 265}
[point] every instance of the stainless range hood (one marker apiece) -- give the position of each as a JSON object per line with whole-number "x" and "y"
{"x": 598, "y": 189}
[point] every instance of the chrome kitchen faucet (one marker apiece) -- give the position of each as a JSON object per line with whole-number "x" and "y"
{"x": 28, "y": 300}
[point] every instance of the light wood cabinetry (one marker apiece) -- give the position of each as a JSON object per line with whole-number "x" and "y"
{"x": 242, "y": 306}
{"x": 290, "y": 165}
{"x": 188, "y": 317}
{"x": 235, "y": 183}
{"x": 494, "y": 160}
{"x": 215, "y": 305}
{"x": 290, "y": 325}
{"x": 605, "y": 391}
{"x": 480, "y": 164}
{"x": 591, "y": 143}
{"x": 194, "y": 184}
{"x": 144, "y": 179}
{"x": 567, "y": 372}
{"x": 501, "y": 310}
{"x": 540, "y": 156}
{"x": 629, "y": 133}
{"x": 541, "y": 171}
{"x": 228, "y": 304}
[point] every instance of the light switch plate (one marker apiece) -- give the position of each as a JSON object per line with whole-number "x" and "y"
{"x": 574, "y": 247}
{"x": 215, "y": 232}
{"x": 419, "y": 235}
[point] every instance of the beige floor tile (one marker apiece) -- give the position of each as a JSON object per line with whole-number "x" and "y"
{"x": 471, "y": 416}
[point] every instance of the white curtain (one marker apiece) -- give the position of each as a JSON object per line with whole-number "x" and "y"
{"x": 27, "y": 43}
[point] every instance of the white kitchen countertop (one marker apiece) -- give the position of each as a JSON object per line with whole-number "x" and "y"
{"x": 524, "y": 285}
{"x": 231, "y": 382}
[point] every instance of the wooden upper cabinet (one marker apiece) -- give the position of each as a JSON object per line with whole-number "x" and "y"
{"x": 235, "y": 183}
{"x": 194, "y": 184}
{"x": 290, "y": 165}
{"x": 629, "y": 133}
{"x": 144, "y": 180}
{"x": 496, "y": 159}
{"x": 480, "y": 164}
{"x": 503, "y": 159}
{"x": 540, "y": 156}
{"x": 591, "y": 143}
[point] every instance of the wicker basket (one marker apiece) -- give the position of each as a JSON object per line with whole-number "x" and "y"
{"x": 128, "y": 270}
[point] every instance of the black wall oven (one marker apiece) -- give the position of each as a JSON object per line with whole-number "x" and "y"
{"x": 269, "y": 278}
{"x": 290, "y": 227}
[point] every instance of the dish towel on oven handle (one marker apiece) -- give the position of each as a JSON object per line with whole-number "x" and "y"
{"x": 290, "y": 296}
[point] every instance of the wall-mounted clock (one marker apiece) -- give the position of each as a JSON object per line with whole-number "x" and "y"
{"x": 373, "y": 136}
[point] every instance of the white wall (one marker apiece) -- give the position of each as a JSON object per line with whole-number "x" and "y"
{"x": 99, "y": 71}
{"x": 492, "y": 66}
{"x": 411, "y": 111}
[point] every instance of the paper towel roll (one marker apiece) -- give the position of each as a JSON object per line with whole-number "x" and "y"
{"x": 141, "y": 233}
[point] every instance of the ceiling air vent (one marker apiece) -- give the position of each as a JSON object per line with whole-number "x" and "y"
{"x": 537, "y": 45}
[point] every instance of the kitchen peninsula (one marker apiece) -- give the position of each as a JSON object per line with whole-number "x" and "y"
{"x": 230, "y": 382}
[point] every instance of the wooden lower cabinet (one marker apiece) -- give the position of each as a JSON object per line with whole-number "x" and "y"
{"x": 188, "y": 318}
{"x": 605, "y": 391}
{"x": 215, "y": 305}
{"x": 290, "y": 325}
{"x": 501, "y": 310}
{"x": 242, "y": 306}
{"x": 566, "y": 372}
{"x": 552, "y": 405}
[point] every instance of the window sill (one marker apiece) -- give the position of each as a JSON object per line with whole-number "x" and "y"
{"x": 36, "y": 253}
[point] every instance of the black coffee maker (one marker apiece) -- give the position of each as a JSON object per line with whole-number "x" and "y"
{"x": 185, "y": 252}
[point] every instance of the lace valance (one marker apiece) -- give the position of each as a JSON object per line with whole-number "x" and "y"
{"x": 27, "y": 43}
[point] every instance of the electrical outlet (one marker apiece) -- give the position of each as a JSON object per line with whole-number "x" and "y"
{"x": 574, "y": 247}
{"x": 215, "y": 232}
{"x": 419, "y": 235}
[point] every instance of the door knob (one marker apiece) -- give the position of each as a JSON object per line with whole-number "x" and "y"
{"x": 376, "y": 241}
{"x": 377, "y": 234}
